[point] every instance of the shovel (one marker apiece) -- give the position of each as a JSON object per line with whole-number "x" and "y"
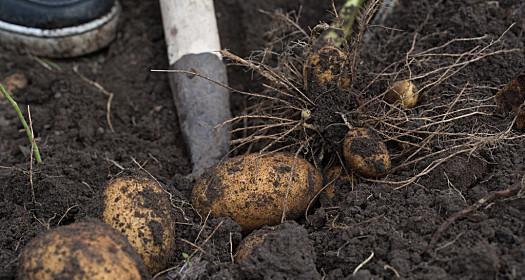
{"x": 202, "y": 101}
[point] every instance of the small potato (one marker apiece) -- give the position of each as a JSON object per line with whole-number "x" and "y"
{"x": 87, "y": 251}
{"x": 278, "y": 252}
{"x": 366, "y": 153}
{"x": 327, "y": 68}
{"x": 334, "y": 174}
{"x": 404, "y": 92}
{"x": 141, "y": 210}
{"x": 254, "y": 190}
{"x": 250, "y": 243}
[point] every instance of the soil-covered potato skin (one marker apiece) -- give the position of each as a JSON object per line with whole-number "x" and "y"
{"x": 86, "y": 250}
{"x": 511, "y": 99}
{"x": 404, "y": 92}
{"x": 366, "y": 153}
{"x": 141, "y": 210}
{"x": 249, "y": 244}
{"x": 255, "y": 189}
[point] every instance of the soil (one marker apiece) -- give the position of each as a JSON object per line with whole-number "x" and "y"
{"x": 390, "y": 228}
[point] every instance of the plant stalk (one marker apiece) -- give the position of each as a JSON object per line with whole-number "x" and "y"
{"x": 342, "y": 28}
{"x": 22, "y": 119}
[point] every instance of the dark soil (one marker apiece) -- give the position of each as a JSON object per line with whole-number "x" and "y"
{"x": 288, "y": 241}
{"x": 81, "y": 152}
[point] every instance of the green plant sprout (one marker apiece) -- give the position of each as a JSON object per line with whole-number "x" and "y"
{"x": 27, "y": 129}
{"x": 341, "y": 30}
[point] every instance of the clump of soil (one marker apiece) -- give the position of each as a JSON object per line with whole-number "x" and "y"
{"x": 286, "y": 251}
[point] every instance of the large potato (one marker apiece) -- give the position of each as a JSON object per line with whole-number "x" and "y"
{"x": 141, "y": 210}
{"x": 86, "y": 250}
{"x": 254, "y": 190}
{"x": 366, "y": 153}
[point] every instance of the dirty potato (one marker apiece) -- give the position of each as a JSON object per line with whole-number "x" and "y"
{"x": 87, "y": 250}
{"x": 366, "y": 153}
{"x": 250, "y": 243}
{"x": 255, "y": 190}
{"x": 511, "y": 98}
{"x": 404, "y": 92}
{"x": 327, "y": 68}
{"x": 141, "y": 210}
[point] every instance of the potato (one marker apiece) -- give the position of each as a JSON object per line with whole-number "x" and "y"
{"x": 87, "y": 250}
{"x": 328, "y": 67}
{"x": 250, "y": 242}
{"x": 15, "y": 82}
{"x": 511, "y": 98}
{"x": 366, "y": 153}
{"x": 254, "y": 189}
{"x": 141, "y": 210}
{"x": 404, "y": 92}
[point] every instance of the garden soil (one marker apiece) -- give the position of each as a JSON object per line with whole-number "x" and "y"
{"x": 368, "y": 231}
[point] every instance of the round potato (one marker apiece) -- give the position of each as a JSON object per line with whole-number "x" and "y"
{"x": 365, "y": 153}
{"x": 255, "y": 190}
{"x": 250, "y": 242}
{"x": 405, "y": 92}
{"x": 141, "y": 210}
{"x": 87, "y": 250}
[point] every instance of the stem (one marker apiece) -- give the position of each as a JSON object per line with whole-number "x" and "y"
{"x": 30, "y": 135}
{"x": 341, "y": 29}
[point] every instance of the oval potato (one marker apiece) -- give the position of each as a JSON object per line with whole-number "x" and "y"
{"x": 254, "y": 189}
{"x": 86, "y": 250}
{"x": 366, "y": 153}
{"x": 141, "y": 210}
{"x": 328, "y": 67}
{"x": 250, "y": 243}
{"x": 405, "y": 92}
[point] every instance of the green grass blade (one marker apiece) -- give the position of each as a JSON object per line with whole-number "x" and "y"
{"x": 27, "y": 129}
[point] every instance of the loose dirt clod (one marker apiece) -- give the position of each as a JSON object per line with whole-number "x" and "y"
{"x": 281, "y": 252}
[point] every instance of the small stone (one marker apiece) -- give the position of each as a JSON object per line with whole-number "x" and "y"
{"x": 15, "y": 82}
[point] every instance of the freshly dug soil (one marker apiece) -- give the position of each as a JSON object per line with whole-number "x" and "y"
{"x": 82, "y": 150}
